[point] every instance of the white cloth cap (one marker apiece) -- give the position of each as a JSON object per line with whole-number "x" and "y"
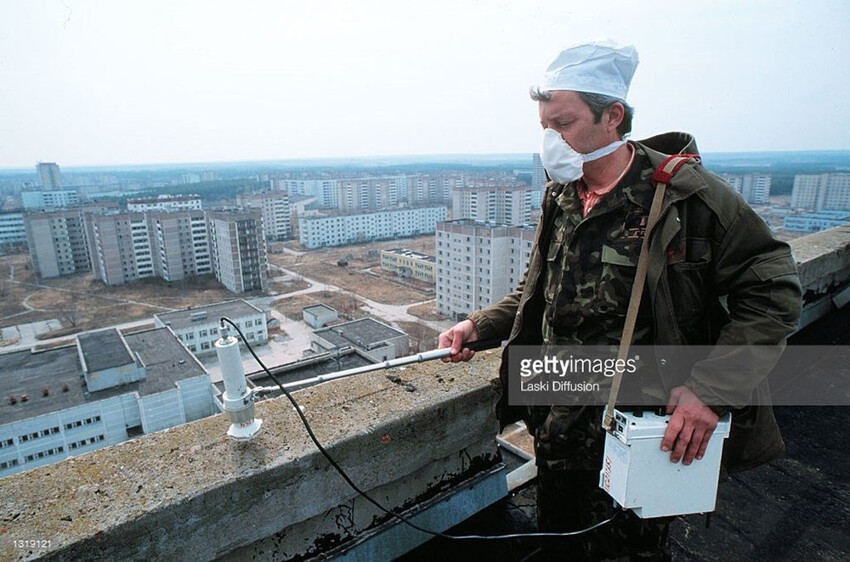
{"x": 598, "y": 67}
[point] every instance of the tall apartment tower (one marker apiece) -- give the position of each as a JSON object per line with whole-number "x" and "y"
{"x": 538, "y": 181}
{"x": 121, "y": 247}
{"x": 238, "y": 246}
{"x": 181, "y": 244}
{"x": 755, "y": 188}
{"x": 478, "y": 264}
{"x": 274, "y": 206}
{"x": 368, "y": 194}
{"x": 821, "y": 192}
{"x": 57, "y": 242}
{"x": 49, "y": 175}
{"x": 497, "y": 205}
{"x": 324, "y": 190}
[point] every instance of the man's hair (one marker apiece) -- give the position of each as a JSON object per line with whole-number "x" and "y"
{"x": 597, "y": 103}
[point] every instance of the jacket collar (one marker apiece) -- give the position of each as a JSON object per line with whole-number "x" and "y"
{"x": 688, "y": 180}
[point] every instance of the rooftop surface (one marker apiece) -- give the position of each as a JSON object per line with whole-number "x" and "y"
{"x": 24, "y": 372}
{"x": 182, "y": 319}
{"x": 103, "y": 350}
{"x": 361, "y": 333}
{"x": 410, "y": 254}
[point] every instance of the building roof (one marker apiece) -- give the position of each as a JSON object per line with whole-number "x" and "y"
{"x": 165, "y": 359}
{"x": 317, "y": 308}
{"x": 363, "y": 333}
{"x": 211, "y": 313}
{"x": 410, "y": 254}
{"x": 103, "y": 350}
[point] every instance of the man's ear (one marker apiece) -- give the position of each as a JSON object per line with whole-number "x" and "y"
{"x": 615, "y": 115}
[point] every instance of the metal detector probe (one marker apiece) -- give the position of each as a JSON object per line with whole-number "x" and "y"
{"x": 418, "y": 358}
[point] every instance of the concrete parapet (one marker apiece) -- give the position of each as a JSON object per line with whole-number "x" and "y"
{"x": 823, "y": 260}
{"x": 190, "y": 493}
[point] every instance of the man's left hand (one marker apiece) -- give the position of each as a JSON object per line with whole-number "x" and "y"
{"x": 690, "y": 427}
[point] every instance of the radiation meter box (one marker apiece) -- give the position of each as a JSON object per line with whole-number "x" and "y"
{"x": 640, "y": 477}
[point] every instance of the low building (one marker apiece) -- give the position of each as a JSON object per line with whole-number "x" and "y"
{"x": 102, "y": 389}
{"x": 197, "y": 327}
{"x": 319, "y": 315}
{"x": 407, "y": 263}
{"x": 815, "y": 222}
{"x": 34, "y": 200}
{"x": 378, "y": 341}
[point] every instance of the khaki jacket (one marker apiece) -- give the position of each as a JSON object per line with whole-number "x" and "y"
{"x": 736, "y": 285}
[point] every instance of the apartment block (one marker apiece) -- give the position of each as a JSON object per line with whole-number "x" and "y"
{"x": 100, "y": 390}
{"x": 501, "y": 205}
{"x": 181, "y": 244}
{"x": 49, "y": 175}
{"x": 13, "y": 232}
{"x": 57, "y": 199}
{"x": 360, "y": 194}
{"x": 324, "y": 190}
{"x": 538, "y": 181}
{"x": 238, "y": 248}
{"x": 121, "y": 247}
{"x": 57, "y": 242}
{"x": 274, "y": 206}
{"x": 341, "y": 229}
{"x": 407, "y": 263}
{"x": 478, "y": 263}
{"x": 821, "y": 192}
{"x": 165, "y": 203}
{"x": 754, "y": 188}
{"x": 197, "y": 327}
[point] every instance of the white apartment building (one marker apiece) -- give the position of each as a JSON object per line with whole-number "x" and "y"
{"x": 821, "y": 192}
{"x": 478, "y": 263}
{"x": 238, "y": 248}
{"x": 13, "y": 232}
{"x": 360, "y": 194}
{"x": 338, "y": 230}
{"x": 165, "y": 203}
{"x": 49, "y": 175}
{"x": 57, "y": 199}
{"x": 274, "y": 206}
{"x": 57, "y": 242}
{"x": 181, "y": 244}
{"x": 754, "y": 188}
{"x": 198, "y": 327}
{"x": 324, "y": 190}
{"x": 501, "y": 205}
{"x": 538, "y": 180}
{"x": 121, "y": 248}
{"x": 100, "y": 390}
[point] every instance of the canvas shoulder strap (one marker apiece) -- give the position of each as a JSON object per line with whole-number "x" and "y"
{"x": 662, "y": 176}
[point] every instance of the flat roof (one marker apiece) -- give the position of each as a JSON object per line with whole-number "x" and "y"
{"x": 182, "y": 319}
{"x": 361, "y": 333}
{"x": 317, "y": 307}
{"x": 103, "y": 350}
{"x": 27, "y": 373}
{"x": 321, "y": 364}
{"x": 410, "y": 254}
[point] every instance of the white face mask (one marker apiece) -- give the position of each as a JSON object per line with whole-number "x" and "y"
{"x": 562, "y": 162}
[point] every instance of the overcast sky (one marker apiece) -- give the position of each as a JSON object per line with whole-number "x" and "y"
{"x": 125, "y": 82}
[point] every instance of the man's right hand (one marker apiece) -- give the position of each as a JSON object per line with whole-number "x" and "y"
{"x": 455, "y": 337}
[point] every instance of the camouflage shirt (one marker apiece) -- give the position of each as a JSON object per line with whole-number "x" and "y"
{"x": 589, "y": 273}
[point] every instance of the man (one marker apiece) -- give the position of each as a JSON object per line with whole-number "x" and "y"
{"x": 708, "y": 245}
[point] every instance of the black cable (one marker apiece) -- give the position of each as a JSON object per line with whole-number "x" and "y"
{"x": 357, "y": 489}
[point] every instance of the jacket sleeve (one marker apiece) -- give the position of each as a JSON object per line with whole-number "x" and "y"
{"x": 758, "y": 276}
